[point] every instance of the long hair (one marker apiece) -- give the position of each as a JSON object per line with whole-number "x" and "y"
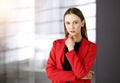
{"x": 77, "y": 12}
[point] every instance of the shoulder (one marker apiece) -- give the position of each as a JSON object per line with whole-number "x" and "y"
{"x": 88, "y": 42}
{"x": 59, "y": 41}
{"x": 92, "y": 46}
{"x": 92, "y": 43}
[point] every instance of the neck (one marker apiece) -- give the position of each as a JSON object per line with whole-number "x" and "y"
{"x": 77, "y": 38}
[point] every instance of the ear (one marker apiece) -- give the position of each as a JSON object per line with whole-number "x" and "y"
{"x": 83, "y": 22}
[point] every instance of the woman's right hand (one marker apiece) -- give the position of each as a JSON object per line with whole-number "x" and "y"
{"x": 89, "y": 75}
{"x": 70, "y": 43}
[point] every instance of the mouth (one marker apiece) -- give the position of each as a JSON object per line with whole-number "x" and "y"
{"x": 72, "y": 31}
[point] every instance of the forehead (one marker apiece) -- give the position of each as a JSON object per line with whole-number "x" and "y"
{"x": 70, "y": 17}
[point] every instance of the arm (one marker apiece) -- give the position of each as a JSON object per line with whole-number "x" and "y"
{"x": 53, "y": 72}
{"x": 79, "y": 68}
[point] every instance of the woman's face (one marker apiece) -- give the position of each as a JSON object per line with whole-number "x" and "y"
{"x": 73, "y": 24}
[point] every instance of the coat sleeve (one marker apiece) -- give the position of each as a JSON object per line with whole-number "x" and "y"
{"x": 53, "y": 72}
{"x": 79, "y": 68}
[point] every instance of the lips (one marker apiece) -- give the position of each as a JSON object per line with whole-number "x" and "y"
{"x": 72, "y": 31}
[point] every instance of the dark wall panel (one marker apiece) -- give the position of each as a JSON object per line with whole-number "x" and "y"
{"x": 108, "y": 41}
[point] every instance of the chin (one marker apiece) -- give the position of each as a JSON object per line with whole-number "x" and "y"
{"x": 73, "y": 34}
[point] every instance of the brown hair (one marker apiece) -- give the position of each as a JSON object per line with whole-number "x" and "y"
{"x": 77, "y": 12}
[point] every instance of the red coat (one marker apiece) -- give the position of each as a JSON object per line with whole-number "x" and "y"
{"x": 81, "y": 62}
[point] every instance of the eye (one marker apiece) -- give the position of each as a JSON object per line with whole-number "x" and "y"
{"x": 76, "y": 22}
{"x": 68, "y": 23}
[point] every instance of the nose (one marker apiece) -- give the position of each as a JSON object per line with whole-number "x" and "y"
{"x": 72, "y": 26}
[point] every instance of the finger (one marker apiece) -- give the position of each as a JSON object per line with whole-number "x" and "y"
{"x": 92, "y": 72}
{"x": 89, "y": 76}
{"x": 69, "y": 36}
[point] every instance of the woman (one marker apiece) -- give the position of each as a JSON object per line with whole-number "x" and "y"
{"x": 72, "y": 57}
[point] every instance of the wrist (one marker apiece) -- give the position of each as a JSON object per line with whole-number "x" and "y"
{"x": 70, "y": 49}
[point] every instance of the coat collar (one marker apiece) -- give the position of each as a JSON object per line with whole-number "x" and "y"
{"x": 83, "y": 41}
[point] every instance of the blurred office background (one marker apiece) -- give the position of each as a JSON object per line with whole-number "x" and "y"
{"x": 28, "y": 28}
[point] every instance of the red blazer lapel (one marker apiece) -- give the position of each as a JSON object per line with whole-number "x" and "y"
{"x": 83, "y": 48}
{"x": 60, "y": 52}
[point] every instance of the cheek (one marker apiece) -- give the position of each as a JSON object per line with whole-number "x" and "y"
{"x": 78, "y": 27}
{"x": 67, "y": 27}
